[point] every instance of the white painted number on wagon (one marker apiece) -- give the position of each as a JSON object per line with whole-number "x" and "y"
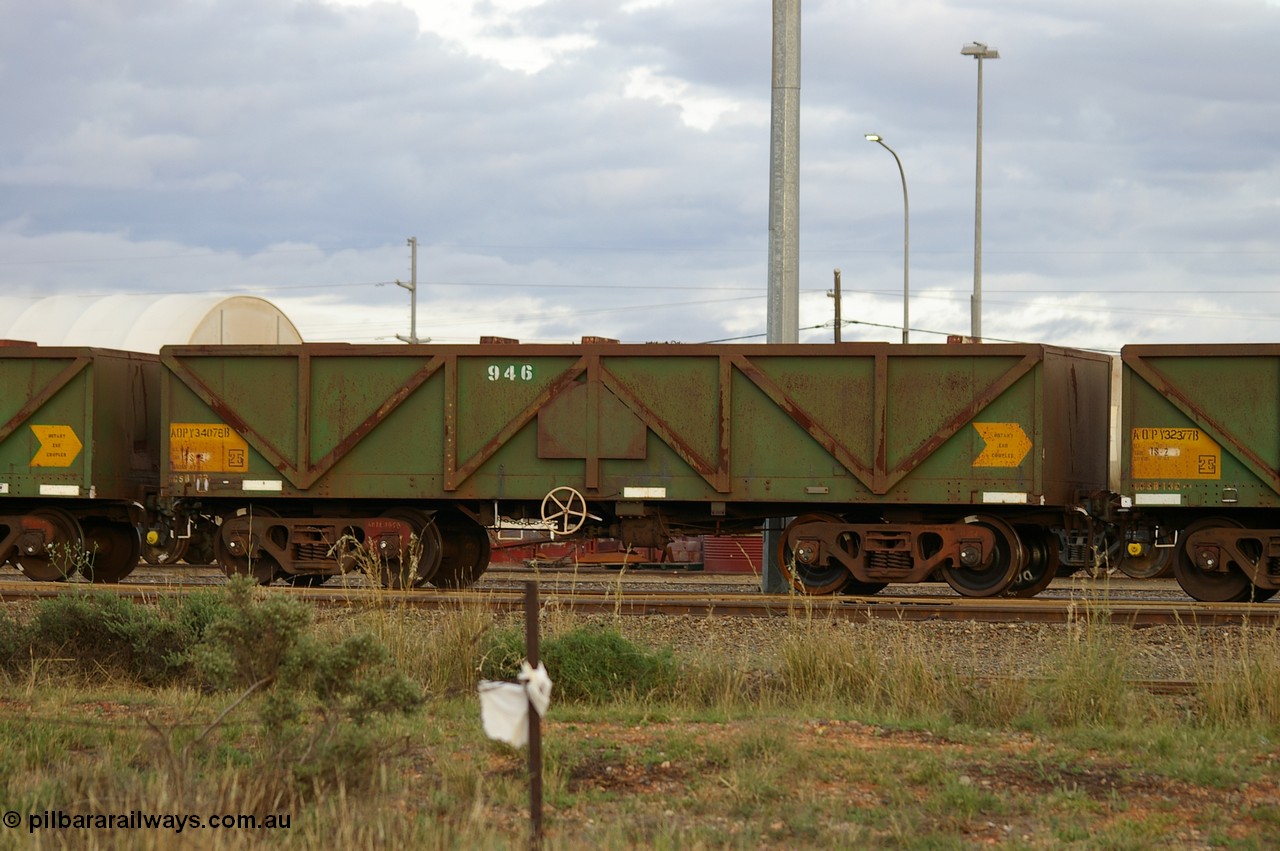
{"x": 511, "y": 372}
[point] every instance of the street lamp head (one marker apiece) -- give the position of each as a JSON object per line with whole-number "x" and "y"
{"x": 978, "y": 50}
{"x": 872, "y": 137}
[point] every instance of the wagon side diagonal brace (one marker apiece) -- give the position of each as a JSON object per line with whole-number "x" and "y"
{"x": 1169, "y": 390}
{"x": 804, "y": 419}
{"x": 456, "y": 474}
{"x": 717, "y": 477}
{"x": 225, "y": 413}
{"x": 962, "y": 418}
{"x": 46, "y": 393}
{"x": 398, "y": 396}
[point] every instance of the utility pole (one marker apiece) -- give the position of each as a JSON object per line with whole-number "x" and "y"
{"x": 835, "y": 294}
{"x": 412, "y": 287}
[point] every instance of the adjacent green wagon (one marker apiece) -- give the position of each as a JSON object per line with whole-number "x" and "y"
{"x": 79, "y": 447}
{"x": 1200, "y": 468}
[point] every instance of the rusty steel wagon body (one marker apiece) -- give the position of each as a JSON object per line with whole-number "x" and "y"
{"x": 79, "y": 458}
{"x": 1200, "y": 466}
{"x": 896, "y": 463}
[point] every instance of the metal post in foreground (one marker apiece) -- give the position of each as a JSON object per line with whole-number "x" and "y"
{"x": 535, "y": 720}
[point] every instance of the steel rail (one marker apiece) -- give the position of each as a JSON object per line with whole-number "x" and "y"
{"x": 699, "y": 603}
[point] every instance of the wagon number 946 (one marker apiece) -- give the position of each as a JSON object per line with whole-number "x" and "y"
{"x": 511, "y": 372}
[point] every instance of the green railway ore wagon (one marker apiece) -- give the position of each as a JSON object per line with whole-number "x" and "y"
{"x": 79, "y": 448}
{"x": 898, "y": 462}
{"x": 1200, "y": 466}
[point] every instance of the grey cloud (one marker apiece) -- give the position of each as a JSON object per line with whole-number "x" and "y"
{"x": 1130, "y": 145}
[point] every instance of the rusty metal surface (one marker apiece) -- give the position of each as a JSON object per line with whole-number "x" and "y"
{"x": 102, "y": 405}
{"x": 1226, "y": 397}
{"x": 782, "y": 424}
{"x": 887, "y": 552}
{"x": 1251, "y": 551}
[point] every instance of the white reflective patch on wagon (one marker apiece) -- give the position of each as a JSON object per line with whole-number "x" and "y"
{"x": 1157, "y": 499}
{"x": 644, "y": 493}
{"x": 1004, "y": 498}
{"x": 263, "y": 485}
{"x": 59, "y": 490}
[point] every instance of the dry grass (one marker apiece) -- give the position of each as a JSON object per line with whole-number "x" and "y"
{"x": 841, "y": 735}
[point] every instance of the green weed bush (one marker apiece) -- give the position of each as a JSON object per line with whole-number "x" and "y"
{"x": 1088, "y": 682}
{"x": 95, "y": 633}
{"x": 317, "y": 696}
{"x": 11, "y": 641}
{"x": 588, "y": 664}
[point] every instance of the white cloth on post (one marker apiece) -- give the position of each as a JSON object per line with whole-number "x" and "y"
{"x": 504, "y": 707}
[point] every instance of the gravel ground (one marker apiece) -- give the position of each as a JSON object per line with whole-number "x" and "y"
{"x": 1152, "y": 653}
{"x": 980, "y": 649}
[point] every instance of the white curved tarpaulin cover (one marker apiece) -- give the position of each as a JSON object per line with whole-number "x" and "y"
{"x": 142, "y": 323}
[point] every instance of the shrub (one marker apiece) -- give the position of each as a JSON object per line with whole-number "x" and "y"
{"x": 591, "y": 664}
{"x": 316, "y": 697}
{"x": 11, "y": 641}
{"x": 248, "y": 643}
{"x": 98, "y": 632}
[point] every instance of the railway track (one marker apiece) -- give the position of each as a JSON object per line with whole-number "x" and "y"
{"x": 599, "y": 591}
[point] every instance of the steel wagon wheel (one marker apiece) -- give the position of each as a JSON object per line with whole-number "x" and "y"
{"x": 112, "y": 550}
{"x": 1150, "y": 562}
{"x": 1213, "y": 586}
{"x": 808, "y": 576}
{"x": 417, "y": 564}
{"x": 465, "y": 550}
{"x": 170, "y": 551}
{"x": 231, "y": 556}
{"x": 1041, "y": 563}
{"x": 60, "y": 556}
{"x": 998, "y": 571}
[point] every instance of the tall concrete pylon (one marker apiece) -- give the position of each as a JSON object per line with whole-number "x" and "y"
{"x": 784, "y": 177}
{"x": 784, "y": 221}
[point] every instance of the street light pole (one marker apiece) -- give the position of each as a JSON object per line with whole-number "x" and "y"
{"x": 906, "y": 240}
{"x": 978, "y": 51}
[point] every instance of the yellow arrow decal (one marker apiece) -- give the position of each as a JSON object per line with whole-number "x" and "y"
{"x": 59, "y": 446}
{"x": 1007, "y": 445}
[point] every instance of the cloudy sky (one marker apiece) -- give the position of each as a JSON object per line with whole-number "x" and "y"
{"x": 591, "y": 167}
